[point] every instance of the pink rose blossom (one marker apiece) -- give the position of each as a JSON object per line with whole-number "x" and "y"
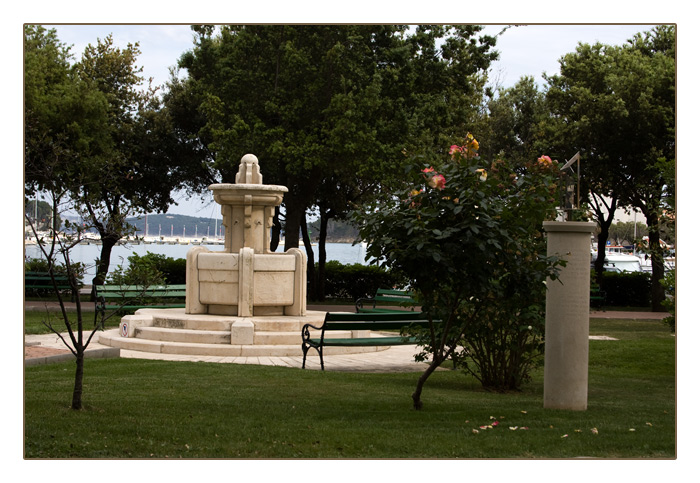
{"x": 438, "y": 181}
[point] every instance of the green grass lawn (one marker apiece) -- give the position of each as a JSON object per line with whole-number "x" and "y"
{"x": 35, "y": 321}
{"x": 157, "y": 409}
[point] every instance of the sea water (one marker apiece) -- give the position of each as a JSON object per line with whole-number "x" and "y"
{"x": 345, "y": 253}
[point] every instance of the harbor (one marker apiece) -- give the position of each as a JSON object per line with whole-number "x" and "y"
{"x": 345, "y": 253}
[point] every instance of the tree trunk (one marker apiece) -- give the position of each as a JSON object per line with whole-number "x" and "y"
{"x": 599, "y": 265}
{"x": 417, "y": 403}
{"x": 276, "y": 229}
{"x": 604, "y": 223}
{"x": 322, "y": 235}
{"x": 657, "y": 264}
{"x": 310, "y": 265}
{"x": 78, "y": 384}
{"x": 108, "y": 242}
{"x": 292, "y": 224}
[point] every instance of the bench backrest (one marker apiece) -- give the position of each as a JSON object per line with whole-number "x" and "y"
{"x": 371, "y": 321}
{"x": 135, "y": 291}
{"x": 44, "y": 277}
{"x": 394, "y": 296}
{"x": 43, "y": 281}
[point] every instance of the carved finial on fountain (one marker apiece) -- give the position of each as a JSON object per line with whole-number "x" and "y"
{"x": 249, "y": 170}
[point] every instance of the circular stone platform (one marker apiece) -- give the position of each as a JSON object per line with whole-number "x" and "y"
{"x": 172, "y": 331}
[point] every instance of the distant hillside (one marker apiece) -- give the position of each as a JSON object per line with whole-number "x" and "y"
{"x": 338, "y": 231}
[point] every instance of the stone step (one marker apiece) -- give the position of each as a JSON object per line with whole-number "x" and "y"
{"x": 184, "y": 335}
{"x": 292, "y": 337}
{"x": 282, "y": 325}
{"x": 224, "y": 337}
{"x": 177, "y": 319}
{"x": 166, "y": 334}
{"x": 113, "y": 339}
{"x": 192, "y": 324}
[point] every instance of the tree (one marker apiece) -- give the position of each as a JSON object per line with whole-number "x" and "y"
{"x": 467, "y": 234}
{"x": 516, "y": 123}
{"x": 53, "y": 247}
{"x": 95, "y": 136}
{"x": 627, "y": 233}
{"x": 40, "y": 213}
{"x": 327, "y": 104}
{"x": 650, "y": 97}
{"x": 586, "y": 116}
{"x": 616, "y": 105}
{"x": 55, "y": 108}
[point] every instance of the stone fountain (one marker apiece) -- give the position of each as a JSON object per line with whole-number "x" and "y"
{"x": 247, "y": 279}
{"x": 244, "y": 301}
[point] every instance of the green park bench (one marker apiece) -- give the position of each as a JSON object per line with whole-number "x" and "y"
{"x": 134, "y": 297}
{"x": 345, "y": 321}
{"x": 386, "y": 301}
{"x": 38, "y": 283}
{"x": 597, "y": 297}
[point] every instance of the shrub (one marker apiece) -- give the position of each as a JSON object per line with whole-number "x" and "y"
{"x": 627, "y": 289}
{"x": 142, "y": 271}
{"x": 669, "y": 284}
{"x": 163, "y": 270}
{"x": 468, "y": 235}
{"x": 173, "y": 269}
{"x": 356, "y": 281}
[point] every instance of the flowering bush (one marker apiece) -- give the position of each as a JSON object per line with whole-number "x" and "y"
{"x": 468, "y": 235}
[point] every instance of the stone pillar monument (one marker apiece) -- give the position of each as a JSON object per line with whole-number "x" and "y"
{"x": 246, "y": 279}
{"x": 566, "y": 323}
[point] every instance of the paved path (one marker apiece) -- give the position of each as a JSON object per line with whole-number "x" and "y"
{"x": 41, "y": 349}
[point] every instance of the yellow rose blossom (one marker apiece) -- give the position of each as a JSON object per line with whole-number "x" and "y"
{"x": 544, "y": 160}
{"x": 482, "y": 174}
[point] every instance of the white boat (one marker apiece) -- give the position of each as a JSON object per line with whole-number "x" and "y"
{"x": 617, "y": 261}
{"x": 669, "y": 263}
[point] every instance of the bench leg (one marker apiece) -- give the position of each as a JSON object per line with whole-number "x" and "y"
{"x": 305, "y": 349}
{"x": 102, "y": 322}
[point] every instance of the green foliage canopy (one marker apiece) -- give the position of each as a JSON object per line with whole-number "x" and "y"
{"x": 324, "y": 102}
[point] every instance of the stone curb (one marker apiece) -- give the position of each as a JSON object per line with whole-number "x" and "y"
{"x": 90, "y": 354}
